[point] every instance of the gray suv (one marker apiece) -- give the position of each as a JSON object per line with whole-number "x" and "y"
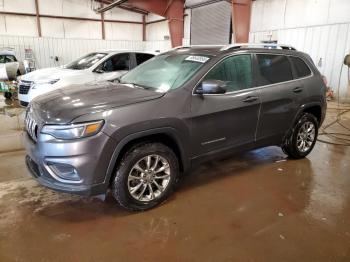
{"x": 138, "y": 134}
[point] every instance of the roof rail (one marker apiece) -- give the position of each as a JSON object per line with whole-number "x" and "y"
{"x": 258, "y": 45}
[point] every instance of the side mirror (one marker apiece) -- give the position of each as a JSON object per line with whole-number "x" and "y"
{"x": 116, "y": 80}
{"x": 99, "y": 70}
{"x": 211, "y": 87}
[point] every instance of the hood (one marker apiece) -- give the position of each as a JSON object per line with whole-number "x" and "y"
{"x": 51, "y": 73}
{"x": 63, "y": 105}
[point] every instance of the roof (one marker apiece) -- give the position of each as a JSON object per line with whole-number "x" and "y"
{"x": 7, "y": 52}
{"x": 114, "y": 51}
{"x": 214, "y": 50}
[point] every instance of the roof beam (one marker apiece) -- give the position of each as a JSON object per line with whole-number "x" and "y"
{"x": 124, "y": 7}
{"x": 173, "y": 10}
{"x": 71, "y": 18}
{"x": 110, "y": 6}
{"x": 241, "y": 15}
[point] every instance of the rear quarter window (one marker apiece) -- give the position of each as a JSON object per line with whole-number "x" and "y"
{"x": 274, "y": 69}
{"x": 141, "y": 58}
{"x": 300, "y": 67}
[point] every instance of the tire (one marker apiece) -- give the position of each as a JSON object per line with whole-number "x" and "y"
{"x": 8, "y": 95}
{"x": 129, "y": 176}
{"x": 293, "y": 146}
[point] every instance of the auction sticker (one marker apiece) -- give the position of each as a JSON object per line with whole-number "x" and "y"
{"x": 197, "y": 58}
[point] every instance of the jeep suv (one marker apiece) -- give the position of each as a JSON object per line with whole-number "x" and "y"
{"x": 137, "y": 135}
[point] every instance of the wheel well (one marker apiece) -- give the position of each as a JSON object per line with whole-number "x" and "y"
{"x": 314, "y": 110}
{"x": 159, "y": 138}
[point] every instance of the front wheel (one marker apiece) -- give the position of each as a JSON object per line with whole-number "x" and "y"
{"x": 302, "y": 138}
{"x": 145, "y": 176}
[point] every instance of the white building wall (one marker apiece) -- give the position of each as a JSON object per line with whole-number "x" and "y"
{"x": 187, "y": 27}
{"x": 46, "y": 49}
{"x": 20, "y": 6}
{"x": 67, "y": 38}
{"x": 123, "y": 31}
{"x": 20, "y": 25}
{"x": 157, "y": 31}
{"x": 320, "y": 28}
{"x": 67, "y": 28}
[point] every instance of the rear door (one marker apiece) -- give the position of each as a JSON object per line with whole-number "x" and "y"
{"x": 280, "y": 96}
{"x": 226, "y": 120}
{"x": 142, "y": 57}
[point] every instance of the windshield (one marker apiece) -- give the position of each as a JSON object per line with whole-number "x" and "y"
{"x": 85, "y": 62}
{"x": 7, "y": 59}
{"x": 165, "y": 72}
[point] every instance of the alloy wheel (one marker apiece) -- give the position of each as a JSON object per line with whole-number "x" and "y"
{"x": 149, "y": 178}
{"x": 306, "y": 136}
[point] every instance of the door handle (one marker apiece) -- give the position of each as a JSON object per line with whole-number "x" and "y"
{"x": 297, "y": 89}
{"x": 250, "y": 99}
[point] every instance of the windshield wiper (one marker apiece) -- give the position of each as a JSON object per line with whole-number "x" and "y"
{"x": 136, "y": 85}
{"x": 117, "y": 80}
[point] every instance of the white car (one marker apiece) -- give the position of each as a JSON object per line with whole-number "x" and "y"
{"x": 93, "y": 67}
{"x": 7, "y": 56}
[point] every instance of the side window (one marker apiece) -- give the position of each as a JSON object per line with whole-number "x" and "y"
{"x": 2, "y": 59}
{"x": 300, "y": 67}
{"x": 236, "y": 71}
{"x": 120, "y": 62}
{"x": 274, "y": 69}
{"x": 10, "y": 58}
{"x": 140, "y": 58}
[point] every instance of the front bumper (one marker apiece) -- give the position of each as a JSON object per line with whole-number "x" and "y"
{"x": 89, "y": 156}
{"x": 25, "y": 99}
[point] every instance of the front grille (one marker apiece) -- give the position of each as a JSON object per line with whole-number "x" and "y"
{"x": 31, "y": 126}
{"x": 24, "y": 87}
{"x": 22, "y": 103}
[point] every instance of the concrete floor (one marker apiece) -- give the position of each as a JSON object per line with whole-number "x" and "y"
{"x": 258, "y": 206}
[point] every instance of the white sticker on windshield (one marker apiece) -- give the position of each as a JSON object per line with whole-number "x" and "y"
{"x": 197, "y": 58}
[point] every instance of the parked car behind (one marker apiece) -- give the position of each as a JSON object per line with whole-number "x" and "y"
{"x": 176, "y": 110}
{"x": 96, "y": 66}
{"x": 8, "y": 56}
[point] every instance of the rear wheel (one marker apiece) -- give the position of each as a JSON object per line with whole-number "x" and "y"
{"x": 145, "y": 177}
{"x": 302, "y": 138}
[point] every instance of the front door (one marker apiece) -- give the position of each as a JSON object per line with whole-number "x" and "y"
{"x": 114, "y": 67}
{"x": 226, "y": 120}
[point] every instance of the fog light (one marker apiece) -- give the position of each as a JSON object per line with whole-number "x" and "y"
{"x": 64, "y": 171}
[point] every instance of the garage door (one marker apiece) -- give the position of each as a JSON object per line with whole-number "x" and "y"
{"x": 210, "y": 22}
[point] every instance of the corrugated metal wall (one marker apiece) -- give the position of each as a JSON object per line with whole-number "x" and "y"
{"x": 68, "y": 39}
{"x": 45, "y": 49}
{"x": 68, "y": 28}
{"x": 210, "y": 23}
{"x": 319, "y": 28}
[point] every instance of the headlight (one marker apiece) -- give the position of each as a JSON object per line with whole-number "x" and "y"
{"x": 73, "y": 131}
{"x": 44, "y": 82}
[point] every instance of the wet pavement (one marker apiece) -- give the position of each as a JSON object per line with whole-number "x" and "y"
{"x": 258, "y": 206}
